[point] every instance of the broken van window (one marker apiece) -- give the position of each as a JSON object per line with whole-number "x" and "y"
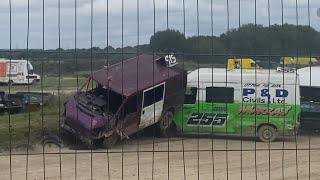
{"x": 191, "y": 95}
{"x": 154, "y": 95}
{"x": 131, "y": 105}
{"x": 219, "y": 95}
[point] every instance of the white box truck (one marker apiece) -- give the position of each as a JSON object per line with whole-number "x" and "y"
{"x": 17, "y": 72}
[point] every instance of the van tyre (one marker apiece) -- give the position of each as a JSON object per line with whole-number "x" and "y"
{"x": 165, "y": 126}
{"x": 267, "y": 133}
{"x": 51, "y": 140}
{"x": 110, "y": 142}
{"x": 24, "y": 145}
{"x": 10, "y": 83}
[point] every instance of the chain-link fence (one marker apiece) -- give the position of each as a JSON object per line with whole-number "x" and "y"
{"x": 154, "y": 89}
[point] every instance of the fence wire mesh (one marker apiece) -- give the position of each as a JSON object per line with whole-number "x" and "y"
{"x": 141, "y": 89}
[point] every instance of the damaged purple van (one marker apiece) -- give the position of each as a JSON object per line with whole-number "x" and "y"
{"x": 125, "y": 98}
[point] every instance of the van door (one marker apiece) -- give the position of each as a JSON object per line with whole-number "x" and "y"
{"x": 218, "y": 110}
{"x": 152, "y": 105}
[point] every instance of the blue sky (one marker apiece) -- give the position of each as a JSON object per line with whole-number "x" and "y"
{"x": 113, "y": 28}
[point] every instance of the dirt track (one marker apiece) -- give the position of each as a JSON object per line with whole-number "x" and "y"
{"x": 152, "y": 161}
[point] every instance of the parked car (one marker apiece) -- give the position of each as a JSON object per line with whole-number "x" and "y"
{"x": 125, "y": 98}
{"x": 27, "y": 104}
{"x": 36, "y": 97}
{"x": 242, "y": 63}
{"x": 22, "y": 102}
{"x": 10, "y": 104}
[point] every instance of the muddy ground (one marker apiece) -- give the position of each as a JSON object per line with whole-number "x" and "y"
{"x": 178, "y": 158}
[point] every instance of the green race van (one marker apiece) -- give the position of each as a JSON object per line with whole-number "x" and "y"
{"x": 263, "y": 103}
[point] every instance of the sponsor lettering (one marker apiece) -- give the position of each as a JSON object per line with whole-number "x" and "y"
{"x": 262, "y": 85}
{"x": 261, "y": 100}
{"x": 250, "y": 110}
{"x": 264, "y": 96}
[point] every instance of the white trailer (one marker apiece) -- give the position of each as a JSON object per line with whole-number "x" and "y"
{"x": 17, "y": 72}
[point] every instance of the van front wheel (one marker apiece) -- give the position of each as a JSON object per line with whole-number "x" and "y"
{"x": 165, "y": 126}
{"x": 110, "y": 142}
{"x": 267, "y": 133}
{"x": 33, "y": 82}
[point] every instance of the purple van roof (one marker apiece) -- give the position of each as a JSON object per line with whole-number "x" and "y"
{"x": 134, "y": 74}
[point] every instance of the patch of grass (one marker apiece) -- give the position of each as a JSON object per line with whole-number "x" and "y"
{"x": 48, "y": 84}
{"x": 83, "y": 74}
{"x": 31, "y": 125}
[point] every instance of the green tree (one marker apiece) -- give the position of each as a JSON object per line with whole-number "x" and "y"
{"x": 168, "y": 41}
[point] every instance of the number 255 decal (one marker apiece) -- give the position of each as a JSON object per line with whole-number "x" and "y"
{"x": 207, "y": 119}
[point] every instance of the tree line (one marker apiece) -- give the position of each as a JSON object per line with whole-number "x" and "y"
{"x": 250, "y": 40}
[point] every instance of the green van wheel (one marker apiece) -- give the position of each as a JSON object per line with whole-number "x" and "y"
{"x": 267, "y": 133}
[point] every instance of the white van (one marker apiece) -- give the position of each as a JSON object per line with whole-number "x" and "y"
{"x": 260, "y": 102}
{"x": 17, "y": 72}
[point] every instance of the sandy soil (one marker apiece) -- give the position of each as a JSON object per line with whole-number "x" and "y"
{"x": 189, "y": 158}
